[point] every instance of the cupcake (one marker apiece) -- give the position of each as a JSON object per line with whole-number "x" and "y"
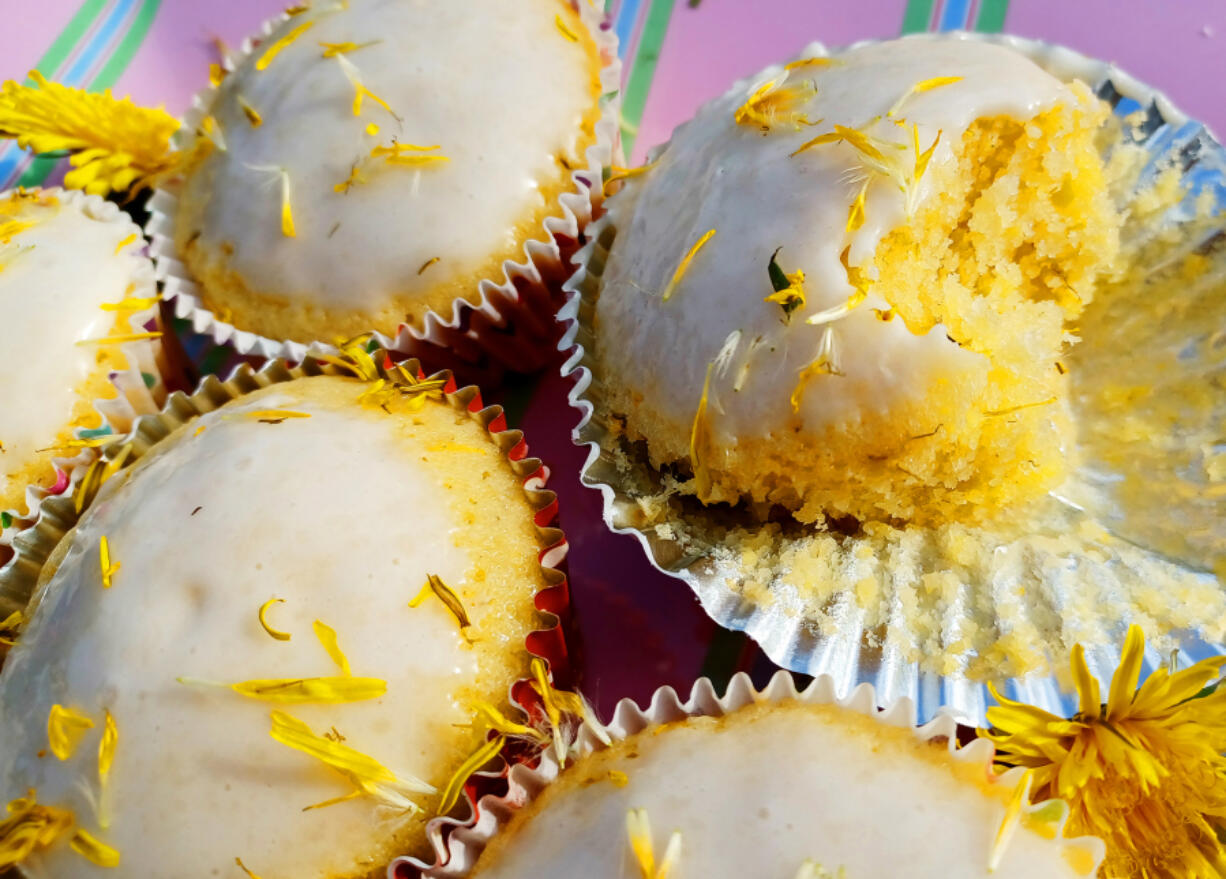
{"x": 76, "y": 294}
{"x": 855, "y": 345}
{"x": 287, "y": 622}
{"x": 771, "y": 785}
{"x": 332, "y": 186}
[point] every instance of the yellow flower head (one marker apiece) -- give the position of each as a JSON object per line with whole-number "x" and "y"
{"x": 1145, "y": 771}
{"x": 114, "y": 143}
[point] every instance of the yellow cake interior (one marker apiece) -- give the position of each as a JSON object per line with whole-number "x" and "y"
{"x": 1005, "y": 254}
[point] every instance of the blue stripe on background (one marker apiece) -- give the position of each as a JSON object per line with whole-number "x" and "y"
{"x": 627, "y": 15}
{"x": 954, "y": 15}
{"x": 100, "y": 41}
{"x": 86, "y": 60}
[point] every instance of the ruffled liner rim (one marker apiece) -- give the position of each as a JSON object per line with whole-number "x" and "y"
{"x": 505, "y": 324}
{"x": 465, "y": 845}
{"x": 134, "y": 397}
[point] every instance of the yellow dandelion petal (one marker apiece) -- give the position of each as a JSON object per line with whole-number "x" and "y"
{"x": 672, "y": 855}
{"x": 121, "y": 245}
{"x": 824, "y": 61}
{"x": 93, "y": 849}
{"x": 1124, "y": 681}
{"x": 275, "y": 48}
{"x": 323, "y": 691}
{"x": 776, "y": 103}
{"x": 239, "y": 863}
{"x": 30, "y": 827}
{"x": 131, "y": 303}
{"x": 566, "y": 32}
{"x": 109, "y": 568}
{"x": 106, "y": 747}
{"x": 924, "y": 85}
{"x": 855, "y": 213}
{"x": 499, "y": 722}
{"x": 360, "y": 89}
{"x": 113, "y": 143}
{"x": 684, "y": 265}
{"x": 1011, "y": 821}
{"x": 618, "y": 778}
{"x": 327, "y": 637}
{"x": 638, "y": 829}
{"x": 435, "y": 586}
{"x": 119, "y": 339}
{"x": 455, "y": 785}
{"x": 335, "y": 801}
{"x": 253, "y": 115}
{"x": 266, "y": 416}
{"x": 331, "y": 50}
{"x": 618, "y": 173}
{"x": 365, "y": 772}
{"x": 65, "y": 729}
{"x": 700, "y": 436}
{"x": 262, "y": 615}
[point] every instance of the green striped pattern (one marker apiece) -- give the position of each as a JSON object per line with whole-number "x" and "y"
{"x": 643, "y": 69}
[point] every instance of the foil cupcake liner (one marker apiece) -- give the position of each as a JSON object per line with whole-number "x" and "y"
{"x": 505, "y": 324}
{"x": 140, "y": 389}
{"x": 465, "y": 845}
{"x": 58, "y": 515}
{"x": 852, "y": 651}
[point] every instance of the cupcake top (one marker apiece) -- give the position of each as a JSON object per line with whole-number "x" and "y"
{"x": 746, "y": 297}
{"x": 779, "y": 790}
{"x": 375, "y": 158}
{"x": 246, "y": 615}
{"x": 72, "y": 272}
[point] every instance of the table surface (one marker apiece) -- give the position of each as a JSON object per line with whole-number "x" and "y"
{"x": 640, "y": 628}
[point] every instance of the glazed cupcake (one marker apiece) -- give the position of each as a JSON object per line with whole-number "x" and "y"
{"x": 778, "y": 784}
{"x": 330, "y": 186}
{"x": 76, "y": 294}
{"x": 855, "y": 340}
{"x": 288, "y": 621}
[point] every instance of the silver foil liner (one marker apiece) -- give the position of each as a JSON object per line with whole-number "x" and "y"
{"x": 1170, "y": 526}
{"x": 527, "y": 783}
{"x": 478, "y": 326}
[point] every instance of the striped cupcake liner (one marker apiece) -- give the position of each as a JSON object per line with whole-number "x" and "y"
{"x": 528, "y": 783}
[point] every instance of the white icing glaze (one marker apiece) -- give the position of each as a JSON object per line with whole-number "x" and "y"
{"x": 209, "y": 528}
{"x": 716, "y": 174}
{"x": 495, "y": 85}
{"x": 54, "y": 275}
{"x": 759, "y": 798}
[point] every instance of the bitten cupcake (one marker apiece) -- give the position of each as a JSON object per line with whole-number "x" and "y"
{"x": 856, "y": 345}
{"x": 76, "y": 291}
{"x": 288, "y": 623}
{"x": 770, "y": 785}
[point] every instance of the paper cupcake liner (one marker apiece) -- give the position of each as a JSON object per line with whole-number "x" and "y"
{"x": 57, "y": 516}
{"x": 466, "y": 844}
{"x": 141, "y": 388}
{"x": 507, "y": 323}
{"x": 850, "y": 648}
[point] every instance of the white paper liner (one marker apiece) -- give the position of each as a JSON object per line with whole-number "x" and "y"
{"x": 526, "y": 783}
{"x": 853, "y": 654}
{"x": 500, "y": 308}
{"x": 135, "y": 396}
{"x": 57, "y": 516}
